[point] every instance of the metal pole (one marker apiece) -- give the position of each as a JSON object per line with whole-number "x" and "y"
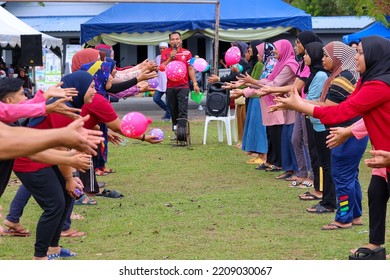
{"x": 216, "y": 37}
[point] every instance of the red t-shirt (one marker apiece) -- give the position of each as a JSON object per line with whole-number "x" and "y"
{"x": 372, "y": 102}
{"x": 100, "y": 111}
{"x": 182, "y": 55}
{"x": 52, "y": 120}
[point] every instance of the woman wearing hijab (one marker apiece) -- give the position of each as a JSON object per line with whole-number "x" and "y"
{"x": 342, "y": 162}
{"x": 254, "y": 139}
{"x": 54, "y": 187}
{"x": 299, "y": 136}
{"x": 315, "y": 129}
{"x": 371, "y": 100}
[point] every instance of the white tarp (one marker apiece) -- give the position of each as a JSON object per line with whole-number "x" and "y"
{"x": 11, "y": 28}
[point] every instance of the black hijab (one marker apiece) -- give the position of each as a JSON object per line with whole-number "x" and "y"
{"x": 376, "y": 51}
{"x": 316, "y": 52}
{"x": 306, "y": 37}
{"x": 254, "y": 59}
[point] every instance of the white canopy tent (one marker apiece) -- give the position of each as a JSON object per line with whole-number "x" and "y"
{"x": 11, "y": 28}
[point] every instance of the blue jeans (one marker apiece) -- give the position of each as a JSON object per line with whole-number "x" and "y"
{"x": 157, "y": 98}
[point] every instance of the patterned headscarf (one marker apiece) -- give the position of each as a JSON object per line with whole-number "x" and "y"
{"x": 343, "y": 58}
{"x": 286, "y": 58}
{"x": 101, "y": 71}
{"x": 266, "y": 51}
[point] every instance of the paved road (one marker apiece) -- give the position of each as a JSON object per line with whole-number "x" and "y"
{"x": 146, "y": 106}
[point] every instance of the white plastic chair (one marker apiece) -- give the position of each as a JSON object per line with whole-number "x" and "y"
{"x": 230, "y": 126}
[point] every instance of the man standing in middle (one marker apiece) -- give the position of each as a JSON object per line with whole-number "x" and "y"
{"x": 178, "y": 91}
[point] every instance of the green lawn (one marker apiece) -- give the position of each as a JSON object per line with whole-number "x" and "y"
{"x": 196, "y": 203}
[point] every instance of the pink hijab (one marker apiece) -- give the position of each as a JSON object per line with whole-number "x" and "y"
{"x": 84, "y": 56}
{"x": 286, "y": 58}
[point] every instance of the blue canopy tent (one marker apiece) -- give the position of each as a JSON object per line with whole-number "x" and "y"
{"x": 377, "y": 28}
{"x": 150, "y": 23}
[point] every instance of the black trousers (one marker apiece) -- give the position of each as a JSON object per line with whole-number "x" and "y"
{"x": 378, "y": 196}
{"x": 177, "y": 99}
{"x": 274, "y": 154}
{"x": 47, "y": 186}
{"x": 313, "y": 153}
{"x": 324, "y": 156}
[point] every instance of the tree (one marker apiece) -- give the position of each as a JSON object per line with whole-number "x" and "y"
{"x": 377, "y": 9}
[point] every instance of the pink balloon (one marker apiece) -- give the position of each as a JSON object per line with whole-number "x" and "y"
{"x": 232, "y": 56}
{"x": 153, "y": 83}
{"x": 158, "y": 133}
{"x": 200, "y": 64}
{"x": 176, "y": 70}
{"x": 134, "y": 124}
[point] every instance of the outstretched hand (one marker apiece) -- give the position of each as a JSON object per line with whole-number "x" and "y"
{"x": 381, "y": 159}
{"x": 152, "y": 139}
{"x": 290, "y": 101}
{"x": 60, "y": 107}
{"x": 82, "y": 139}
{"x": 337, "y": 136}
{"x": 57, "y": 92}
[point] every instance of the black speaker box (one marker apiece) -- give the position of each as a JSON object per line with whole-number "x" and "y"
{"x": 217, "y": 100}
{"x": 31, "y": 50}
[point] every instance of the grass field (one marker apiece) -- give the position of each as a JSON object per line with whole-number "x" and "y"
{"x": 197, "y": 203}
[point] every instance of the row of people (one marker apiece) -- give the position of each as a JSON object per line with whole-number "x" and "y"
{"x": 331, "y": 77}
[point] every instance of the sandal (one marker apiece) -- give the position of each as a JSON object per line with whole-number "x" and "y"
{"x": 364, "y": 253}
{"x": 294, "y": 184}
{"x": 319, "y": 209}
{"x": 261, "y": 167}
{"x": 284, "y": 176}
{"x": 15, "y": 229}
{"x": 110, "y": 194}
{"x": 273, "y": 168}
{"x": 333, "y": 226}
{"x": 85, "y": 200}
{"x": 306, "y": 184}
{"x": 72, "y": 233}
{"x": 76, "y": 216}
{"x": 99, "y": 172}
{"x": 309, "y": 196}
{"x": 64, "y": 253}
{"x": 107, "y": 170}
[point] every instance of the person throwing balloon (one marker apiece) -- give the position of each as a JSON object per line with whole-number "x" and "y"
{"x": 179, "y": 71}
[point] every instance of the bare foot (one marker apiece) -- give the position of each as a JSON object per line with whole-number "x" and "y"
{"x": 40, "y": 259}
{"x": 336, "y": 225}
{"x": 357, "y": 222}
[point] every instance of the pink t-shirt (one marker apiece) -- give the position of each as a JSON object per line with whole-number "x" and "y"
{"x": 34, "y": 107}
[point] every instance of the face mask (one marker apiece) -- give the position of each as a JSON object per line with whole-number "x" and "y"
{"x": 15, "y": 75}
{"x": 2, "y": 76}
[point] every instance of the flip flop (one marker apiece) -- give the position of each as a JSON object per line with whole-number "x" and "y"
{"x": 85, "y": 200}
{"x": 64, "y": 253}
{"x": 294, "y": 184}
{"x": 333, "y": 226}
{"x": 319, "y": 209}
{"x": 73, "y": 233}
{"x": 110, "y": 194}
{"x": 13, "y": 232}
{"x": 309, "y": 196}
